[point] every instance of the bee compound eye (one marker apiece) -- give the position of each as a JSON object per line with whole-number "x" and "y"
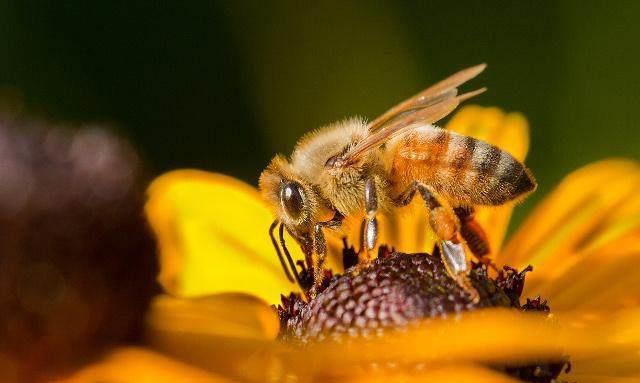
{"x": 292, "y": 199}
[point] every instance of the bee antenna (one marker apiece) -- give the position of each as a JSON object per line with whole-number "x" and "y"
{"x": 292, "y": 265}
{"x": 275, "y": 246}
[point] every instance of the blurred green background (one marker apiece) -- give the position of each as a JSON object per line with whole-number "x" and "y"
{"x": 224, "y": 85}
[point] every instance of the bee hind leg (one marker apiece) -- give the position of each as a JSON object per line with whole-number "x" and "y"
{"x": 474, "y": 235}
{"x": 444, "y": 223}
{"x": 455, "y": 261}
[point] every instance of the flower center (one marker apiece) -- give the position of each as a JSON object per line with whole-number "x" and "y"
{"x": 397, "y": 290}
{"x": 393, "y": 291}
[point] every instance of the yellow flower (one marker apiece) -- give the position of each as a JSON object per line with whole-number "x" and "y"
{"x": 221, "y": 275}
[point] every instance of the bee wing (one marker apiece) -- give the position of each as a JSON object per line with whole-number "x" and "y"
{"x": 434, "y": 94}
{"x": 406, "y": 121}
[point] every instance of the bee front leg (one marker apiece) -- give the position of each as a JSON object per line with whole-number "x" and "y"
{"x": 320, "y": 249}
{"x": 444, "y": 223}
{"x": 370, "y": 228}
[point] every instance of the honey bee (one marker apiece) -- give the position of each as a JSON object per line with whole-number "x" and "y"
{"x": 354, "y": 167}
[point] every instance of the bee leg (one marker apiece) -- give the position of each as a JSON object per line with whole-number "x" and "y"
{"x": 320, "y": 249}
{"x": 455, "y": 261}
{"x": 474, "y": 235}
{"x": 444, "y": 223}
{"x": 370, "y": 224}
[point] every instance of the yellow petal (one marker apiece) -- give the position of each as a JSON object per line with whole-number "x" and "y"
{"x": 136, "y": 365}
{"x": 509, "y": 132}
{"x": 407, "y": 228}
{"x": 619, "y": 357}
{"x": 605, "y": 378}
{"x": 602, "y": 278}
{"x": 493, "y": 337}
{"x": 574, "y": 207}
{"x": 583, "y": 237}
{"x": 459, "y": 373}
{"x": 595, "y": 341}
{"x": 232, "y": 315}
{"x": 213, "y": 236}
{"x": 230, "y": 335}
{"x": 485, "y": 336}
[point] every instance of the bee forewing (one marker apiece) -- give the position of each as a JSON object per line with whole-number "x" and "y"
{"x": 456, "y": 79}
{"x": 437, "y": 92}
{"x": 468, "y": 95}
{"x": 425, "y": 116}
{"x": 405, "y": 122}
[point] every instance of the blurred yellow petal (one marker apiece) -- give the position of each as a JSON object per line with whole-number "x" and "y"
{"x": 232, "y": 315}
{"x": 509, "y": 132}
{"x": 571, "y": 211}
{"x": 619, "y": 358}
{"x": 458, "y": 373}
{"x": 492, "y": 336}
{"x": 136, "y": 365}
{"x": 213, "y": 236}
{"x": 483, "y": 336}
{"x": 583, "y": 237}
{"x": 228, "y": 334}
{"x": 595, "y": 341}
{"x": 603, "y": 278}
{"x": 605, "y": 378}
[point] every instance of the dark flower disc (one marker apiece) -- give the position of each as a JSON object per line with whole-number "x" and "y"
{"x": 391, "y": 292}
{"x": 397, "y": 290}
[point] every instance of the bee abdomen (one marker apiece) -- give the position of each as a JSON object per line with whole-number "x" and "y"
{"x": 462, "y": 168}
{"x": 489, "y": 175}
{"x": 502, "y": 178}
{"x": 514, "y": 178}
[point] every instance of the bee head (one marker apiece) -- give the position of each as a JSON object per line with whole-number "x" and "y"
{"x": 292, "y": 198}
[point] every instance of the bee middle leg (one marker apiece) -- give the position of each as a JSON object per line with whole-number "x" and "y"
{"x": 445, "y": 224}
{"x": 370, "y": 223}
